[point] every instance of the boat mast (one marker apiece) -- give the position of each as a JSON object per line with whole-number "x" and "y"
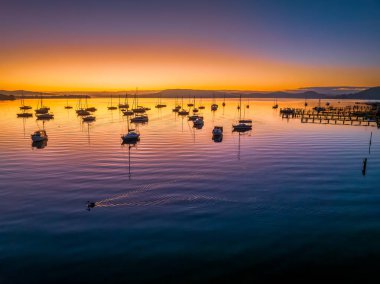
{"x": 240, "y": 109}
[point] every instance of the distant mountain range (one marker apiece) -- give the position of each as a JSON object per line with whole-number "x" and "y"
{"x": 11, "y": 95}
{"x": 367, "y": 94}
{"x": 7, "y": 97}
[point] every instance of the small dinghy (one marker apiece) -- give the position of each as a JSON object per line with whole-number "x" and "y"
{"x": 198, "y": 123}
{"x": 39, "y": 135}
{"x": 132, "y": 135}
{"x": 217, "y": 131}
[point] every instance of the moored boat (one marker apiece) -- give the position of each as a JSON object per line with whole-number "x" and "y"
{"x": 39, "y": 135}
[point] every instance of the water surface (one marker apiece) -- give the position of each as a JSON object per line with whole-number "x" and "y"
{"x": 285, "y": 200}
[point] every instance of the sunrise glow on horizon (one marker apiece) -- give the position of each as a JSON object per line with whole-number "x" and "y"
{"x": 105, "y": 46}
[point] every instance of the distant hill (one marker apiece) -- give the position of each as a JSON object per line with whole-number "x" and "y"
{"x": 368, "y": 94}
{"x": 7, "y": 97}
{"x": 173, "y": 93}
{"x": 18, "y": 93}
{"x": 286, "y": 95}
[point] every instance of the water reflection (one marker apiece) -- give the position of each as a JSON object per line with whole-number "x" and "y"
{"x": 39, "y": 144}
{"x": 129, "y": 145}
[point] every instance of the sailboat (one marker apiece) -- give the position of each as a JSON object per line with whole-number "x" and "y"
{"x": 81, "y": 110}
{"x": 90, "y": 109}
{"x": 88, "y": 118}
{"x": 195, "y": 110}
{"x": 140, "y": 118}
{"x": 319, "y": 108}
{"x": 214, "y": 106}
{"x": 199, "y": 122}
{"x": 217, "y": 134}
{"x": 201, "y": 106}
{"x": 40, "y": 108}
{"x": 190, "y": 104}
{"x": 224, "y": 101}
{"x": 176, "y": 106}
{"x": 39, "y": 135}
{"x": 136, "y": 107}
{"x": 243, "y": 124}
{"x": 275, "y": 105}
{"x": 131, "y": 136}
{"x": 125, "y": 104}
{"x": 247, "y": 106}
{"x": 67, "y": 106}
{"x": 183, "y": 111}
{"x": 305, "y": 103}
{"x": 126, "y": 112}
{"x": 111, "y": 107}
{"x": 159, "y": 103}
{"x": 23, "y": 106}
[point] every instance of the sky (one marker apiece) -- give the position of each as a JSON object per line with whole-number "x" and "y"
{"x": 48, "y": 45}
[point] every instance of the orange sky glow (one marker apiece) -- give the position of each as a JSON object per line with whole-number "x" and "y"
{"x": 154, "y": 67}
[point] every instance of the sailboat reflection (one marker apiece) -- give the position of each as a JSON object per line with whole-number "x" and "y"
{"x": 241, "y": 133}
{"x": 130, "y": 145}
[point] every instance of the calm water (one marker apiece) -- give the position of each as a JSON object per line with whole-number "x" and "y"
{"x": 286, "y": 199}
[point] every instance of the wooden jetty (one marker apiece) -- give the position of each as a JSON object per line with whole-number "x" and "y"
{"x": 357, "y": 115}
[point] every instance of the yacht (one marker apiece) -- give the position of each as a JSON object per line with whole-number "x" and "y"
{"x": 217, "y": 131}
{"x": 23, "y": 106}
{"x": 217, "y": 134}
{"x": 183, "y": 111}
{"x": 159, "y": 103}
{"x": 125, "y": 104}
{"x": 243, "y": 124}
{"x": 67, "y": 106}
{"x": 319, "y": 108}
{"x": 194, "y": 117}
{"x": 128, "y": 112}
{"x": 143, "y": 118}
{"x": 111, "y": 107}
{"x": 190, "y": 104}
{"x": 214, "y": 106}
{"x": 39, "y": 135}
{"x": 91, "y": 109}
{"x": 201, "y": 106}
{"x": 275, "y": 106}
{"x": 82, "y": 112}
{"x": 25, "y": 114}
{"x": 132, "y": 135}
{"x": 176, "y": 109}
{"x": 41, "y": 109}
{"x": 198, "y": 122}
{"x": 89, "y": 118}
{"x": 45, "y": 116}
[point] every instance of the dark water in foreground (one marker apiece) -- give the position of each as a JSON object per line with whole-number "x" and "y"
{"x": 287, "y": 200}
